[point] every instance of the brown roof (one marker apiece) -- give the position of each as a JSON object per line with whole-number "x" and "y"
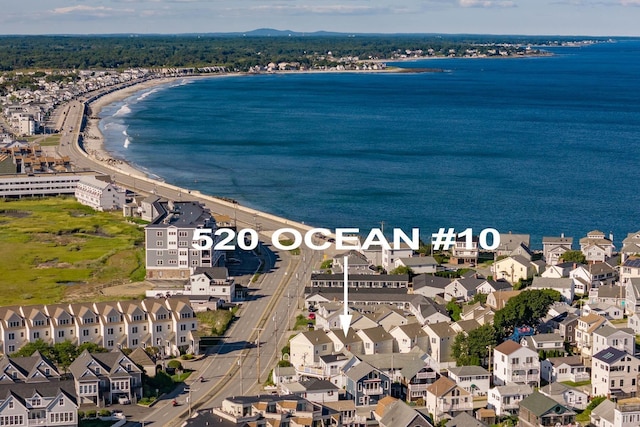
{"x": 384, "y": 404}
{"x": 508, "y": 347}
{"x": 441, "y": 386}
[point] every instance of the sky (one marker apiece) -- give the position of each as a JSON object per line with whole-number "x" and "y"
{"x": 539, "y": 17}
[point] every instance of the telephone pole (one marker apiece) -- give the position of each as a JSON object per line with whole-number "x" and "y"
{"x": 258, "y": 360}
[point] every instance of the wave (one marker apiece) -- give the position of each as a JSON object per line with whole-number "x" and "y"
{"x": 145, "y": 94}
{"x": 127, "y": 141}
{"x": 123, "y": 111}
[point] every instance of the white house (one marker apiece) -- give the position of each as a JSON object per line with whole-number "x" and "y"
{"x": 614, "y": 373}
{"x": 474, "y": 379}
{"x": 563, "y": 285}
{"x": 100, "y": 195}
{"x": 630, "y": 269}
{"x": 506, "y": 399}
{"x": 554, "y": 247}
{"x": 596, "y": 247}
{"x": 441, "y": 338}
{"x": 570, "y": 397}
{"x": 391, "y": 254}
{"x": 408, "y": 336}
{"x": 607, "y": 336}
{"x": 569, "y": 368}
{"x": 513, "y": 363}
{"x": 306, "y": 349}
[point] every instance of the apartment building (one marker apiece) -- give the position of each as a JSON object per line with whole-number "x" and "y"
{"x": 514, "y": 363}
{"x": 100, "y": 195}
{"x": 169, "y": 238}
{"x": 168, "y": 323}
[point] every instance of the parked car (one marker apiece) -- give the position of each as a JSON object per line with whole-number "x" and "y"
{"x": 124, "y": 400}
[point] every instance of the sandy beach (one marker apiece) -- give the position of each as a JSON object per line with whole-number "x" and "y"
{"x": 93, "y": 138}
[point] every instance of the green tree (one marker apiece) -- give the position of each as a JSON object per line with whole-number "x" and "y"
{"x": 66, "y": 352}
{"x": 37, "y": 345}
{"x": 91, "y": 347}
{"x": 454, "y": 310}
{"x": 573, "y": 256}
{"x": 403, "y": 269}
{"x": 527, "y": 308}
{"x": 473, "y": 348}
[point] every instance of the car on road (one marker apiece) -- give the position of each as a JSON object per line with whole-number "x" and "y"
{"x": 124, "y": 400}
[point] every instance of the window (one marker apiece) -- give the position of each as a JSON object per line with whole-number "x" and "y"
{"x": 110, "y": 331}
{"x": 134, "y": 330}
{"x": 36, "y": 335}
{"x": 12, "y": 336}
{"x": 60, "y": 334}
{"x": 85, "y": 332}
{"x": 159, "y": 262}
{"x": 158, "y": 328}
{"x": 158, "y": 233}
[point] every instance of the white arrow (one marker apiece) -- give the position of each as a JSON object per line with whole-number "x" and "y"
{"x": 345, "y": 319}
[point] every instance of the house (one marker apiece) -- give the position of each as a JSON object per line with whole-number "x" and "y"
{"x": 408, "y": 336}
{"x": 103, "y": 377}
{"x": 99, "y": 194}
{"x": 419, "y": 264}
{"x": 312, "y": 389}
{"x": 464, "y": 252}
{"x": 366, "y": 385}
{"x": 283, "y": 375}
{"x": 306, "y": 349}
{"x": 567, "y": 327}
{"x": 497, "y": 300}
{"x": 609, "y": 294}
{"x": 429, "y": 286}
{"x": 632, "y": 297}
{"x": 376, "y": 340}
{"x": 273, "y": 410}
{"x": 592, "y": 276}
{"x": 169, "y": 238}
{"x": 513, "y": 363}
{"x": 513, "y": 269}
{"x": 474, "y": 379}
{"x": 554, "y": 247}
{"x": 596, "y": 247}
{"x": 569, "y": 368}
{"x": 348, "y": 414}
{"x": 630, "y": 269}
{"x": 416, "y": 376}
{"x": 549, "y": 343}
{"x": 441, "y": 338}
{"x": 389, "y": 317}
{"x": 633, "y": 322}
{"x": 351, "y": 342}
{"x": 570, "y": 397}
{"x": 489, "y": 286}
{"x": 584, "y": 330}
{"x": 42, "y": 404}
{"x": 332, "y": 366}
{"x": 212, "y": 281}
{"x": 392, "y": 412}
{"x": 391, "y": 253}
{"x": 465, "y": 420}
{"x": 625, "y": 412}
{"x": 427, "y": 311}
{"x": 462, "y": 289}
{"x": 510, "y": 241}
{"x": 141, "y": 358}
{"x": 630, "y": 246}
{"x": 538, "y": 410}
{"x": 559, "y": 270}
{"x": 357, "y": 262}
{"x": 111, "y": 325}
{"x": 614, "y": 373}
{"x": 361, "y": 281}
{"x": 563, "y": 285}
{"x": 505, "y": 399}
{"x": 33, "y": 369}
{"x": 445, "y": 399}
{"x": 465, "y": 326}
{"x": 608, "y": 311}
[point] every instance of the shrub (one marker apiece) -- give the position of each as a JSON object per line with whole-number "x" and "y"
{"x": 187, "y": 356}
{"x": 104, "y": 413}
{"x": 80, "y": 415}
{"x": 91, "y": 413}
{"x": 175, "y": 364}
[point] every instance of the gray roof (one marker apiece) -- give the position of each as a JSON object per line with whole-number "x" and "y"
{"x": 377, "y": 334}
{"x": 183, "y": 214}
{"x": 417, "y": 261}
{"x": 552, "y": 282}
{"x": 51, "y": 389}
{"x": 218, "y": 273}
{"x": 463, "y": 371}
{"x": 569, "y": 360}
{"x": 363, "y": 277}
{"x": 605, "y": 410}
{"x": 360, "y": 370}
{"x": 400, "y": 415}
{"x": 356, "y": 295}
{"x": 442, "y": 329}
{"x": 606, "y": 330}
{"x": 424, "y": 280}
{"x": 546, "y": 338}
{"x": 611, "y": 291}
{"x": 563, "y": 240}
{"x": 539, "y": 404}
{"x": 317, "y": 336}
{"x": 464, "y": 420}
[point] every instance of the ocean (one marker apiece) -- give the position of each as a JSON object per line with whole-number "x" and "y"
{"x": 541, "y": 145}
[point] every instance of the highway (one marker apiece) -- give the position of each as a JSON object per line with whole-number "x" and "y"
{"x": 232, "y": 368}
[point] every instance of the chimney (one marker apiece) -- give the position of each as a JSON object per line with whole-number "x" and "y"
{"x": 562, "y": 235}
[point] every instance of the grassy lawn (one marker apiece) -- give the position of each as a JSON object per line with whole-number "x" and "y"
{"x": 50, "y": 140}
{"x": 57, "y": 245}
{"x": 215, "y": 322}
{"x": 578, "y": 384}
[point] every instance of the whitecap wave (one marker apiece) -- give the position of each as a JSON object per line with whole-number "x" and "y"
{"x": 123, "y": 111}
{"x": 127, "y": 141}
{"x": 145, "y": 94}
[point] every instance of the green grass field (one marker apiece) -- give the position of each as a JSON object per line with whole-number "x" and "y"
{"x": 49, "y": 247}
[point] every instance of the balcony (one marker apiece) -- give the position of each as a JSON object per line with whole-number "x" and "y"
{"x": 309, "y": 370}
{"x": 37, "y": 422}
{"x": 374, "y": 391}
{"x": 417, "y": 387}
{"x": 425, "y": 375}
{"x": 580, "y": 376}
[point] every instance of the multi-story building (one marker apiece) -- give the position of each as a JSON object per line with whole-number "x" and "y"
{"x": 513, "y": 363}
{"x": 100, "y": 195}
{"x": 570, "y": 368}
{"x": 168, "y": 323}
{"x": 596, "y": 247}
{"x": 461, "y": 254}
{"x": 624, "y": 412}
{"x": 539, "y": 410}
{"x": 42, "y": 404}
{"x": 366, "y": 385}
{"x": 554, "y": 247}
{"x": 505, "y": 399}
{"x": 41, "y": 184}
{"x": 104, "y": 377}
{"x": 474, "y": 379}
{"x": 169, "y": 238}
{"x": 446, "y": 399}
{"x": 614, "y": 373}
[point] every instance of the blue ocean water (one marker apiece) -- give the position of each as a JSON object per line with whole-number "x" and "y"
{"x": 543, "y": 145}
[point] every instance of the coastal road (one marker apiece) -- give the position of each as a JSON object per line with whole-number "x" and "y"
{"x": 233, "y": 367}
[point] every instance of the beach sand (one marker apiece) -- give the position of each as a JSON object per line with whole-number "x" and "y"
{"x": 93, "y": 138}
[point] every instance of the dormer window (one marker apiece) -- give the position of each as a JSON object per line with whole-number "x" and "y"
{"x": 97, "y": 371}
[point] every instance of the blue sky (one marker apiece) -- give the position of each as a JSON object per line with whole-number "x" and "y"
{"x": 563, "y": 17}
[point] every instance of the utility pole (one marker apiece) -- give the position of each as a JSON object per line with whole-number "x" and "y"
{"x": 241, "y": 376}
{"x": 258, "y": 360}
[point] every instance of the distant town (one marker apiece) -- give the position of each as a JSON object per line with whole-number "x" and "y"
{"x": 464, "y": 337}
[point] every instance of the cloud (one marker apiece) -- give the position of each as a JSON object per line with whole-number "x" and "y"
{"x": 320, "y": 9}
{"x": 486, "y": 3}
{"x": 93, "y": 11}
